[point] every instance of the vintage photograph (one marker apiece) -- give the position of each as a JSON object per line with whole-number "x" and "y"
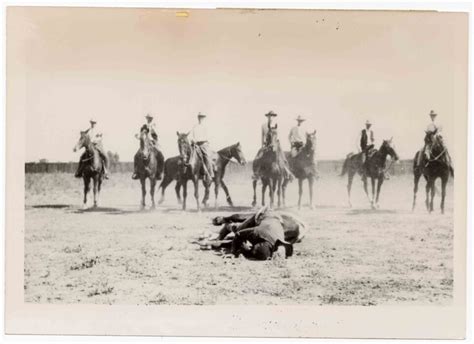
{"x": 239, "y": 156}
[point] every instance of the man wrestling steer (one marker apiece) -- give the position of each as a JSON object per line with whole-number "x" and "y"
{"x": 257, "y": 236}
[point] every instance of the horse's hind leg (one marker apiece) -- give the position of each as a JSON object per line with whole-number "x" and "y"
{"x": 185, "y": 193}
{"x": 444, "y": 182}
{"x": 433, "y": 187}
{"x": 372, "y": 201}
{"x": 415, "y": 189}
{"x": 206, "y": 186}
{"x": 164, "y": 184}
{"x": 283, "y": 191}
{"x": 196, "y": 193}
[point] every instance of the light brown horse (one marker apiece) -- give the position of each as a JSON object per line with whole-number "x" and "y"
{"x": 431, "y": 169}
{"x": 224, "y": 156}
{"x": 374, "y": 169}
{"x": 149, "y": 161}
{"x": 270, "y": 169}
{"x": 303, "y": 166}
{"x": 93, "y": 168}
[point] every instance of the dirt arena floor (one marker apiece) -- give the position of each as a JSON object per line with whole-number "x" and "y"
{"x": 118, "y": 254}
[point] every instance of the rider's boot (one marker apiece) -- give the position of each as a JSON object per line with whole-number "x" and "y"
{"x": 78, "y": 173}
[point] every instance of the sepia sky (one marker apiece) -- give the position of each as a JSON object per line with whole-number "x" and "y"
{"x": 337, "y": 68}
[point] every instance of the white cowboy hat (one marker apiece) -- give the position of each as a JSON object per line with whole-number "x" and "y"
{"x": 148, "y": 116}
{"x": 92, "y": 120}
{"x": 368, "y": 122}
{"x": 300, "y": 119}
{"x": 432, "y": 113}
{"x": 201, "y": 115}
{"x": 271, "y": 113}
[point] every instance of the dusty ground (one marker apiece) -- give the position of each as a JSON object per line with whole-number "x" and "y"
{"x": 120, "y": 255}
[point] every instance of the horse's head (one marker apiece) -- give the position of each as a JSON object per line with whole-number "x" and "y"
{"x": 84, "y": 141}
{"x": 272, "y": 137}
{"x": 184, "y": 146}
{"x": 388, "y": 148}
{"x": 311, "y": 141}
{"x": 236, "y": 153}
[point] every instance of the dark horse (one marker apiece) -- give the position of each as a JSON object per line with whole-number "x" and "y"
{"x": 150, "y": 163}
{"x": 303, "y": 166}
{"x": 374, "y": 168}
{"x": 224, "y": 156}
{"x": 93, "y": 167}
{"x": 190, "y": 168}
{"x": 432, "y": 169}
{"x": 269, "y": 168}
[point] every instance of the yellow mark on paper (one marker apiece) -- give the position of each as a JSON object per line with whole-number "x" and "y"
{"x": 183, "y": 14}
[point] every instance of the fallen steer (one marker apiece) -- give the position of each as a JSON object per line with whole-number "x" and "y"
{"x": 257, "y": 236}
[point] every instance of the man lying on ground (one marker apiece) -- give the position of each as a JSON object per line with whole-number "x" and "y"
{"x": 257, "y": 236}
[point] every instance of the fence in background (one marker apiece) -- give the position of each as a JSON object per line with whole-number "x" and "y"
{"x": 324, "y": 166}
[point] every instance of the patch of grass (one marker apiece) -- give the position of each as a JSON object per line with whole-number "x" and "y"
{"x": 85, "y": 264}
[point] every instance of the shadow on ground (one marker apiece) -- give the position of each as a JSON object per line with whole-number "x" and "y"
{"x": 49, "y": 206}
{"x": 371, "y": 211}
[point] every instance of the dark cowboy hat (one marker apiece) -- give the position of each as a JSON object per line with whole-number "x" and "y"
{"x": 201, "y": 115}
{"x": 92, "y": 120}
{"x": 368, "y": 122}
{"x": 148, "y": 116}
{"x": 271, "y": 113}
{"x": 432, "y": 113}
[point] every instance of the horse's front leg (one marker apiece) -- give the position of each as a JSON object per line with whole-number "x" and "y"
{"x": 227, "y": 194}
{"x": 196, "y": 193}
{"x": 95, "y": 191}
{"x": 217, "y": 184}
{"x": 272, "y": 192}
{"x": 152, "y": 192}
{"x": 372, "y": 183}
{"x": 283, "y": 191}
{"x": 444, "y": 182}
{"x": 364, "y": 181}
{"x": 300, "y": 192}
{"x": 207, "y": 186}
{"x": 177, "y": 189}
{"x": 310, "y": 186}
{"x": 427, "y": 189}
{"x": 184, "y": 184}
{"x": 143, "y": 184}
{"x": 86, "y": 190}
{"x": 433, "y": 188}
{"x": 264, "y": 188}
{"x": 279, "y": 191}
{"x": 350, "y": 179}
{"x": 415, "y": 189}
{"x": 254, "y": 184}
{"x": 379, "y": 187}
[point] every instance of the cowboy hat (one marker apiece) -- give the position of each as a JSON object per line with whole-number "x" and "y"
{"x": 92, "y": 120}
{"x": 271, "y": 113}
{"x": 300, "y": 119}
{"x": 432, "y": 113}
{"x": 368, "y": 122}
{"x": 200, "y": 115}
{"x": 148, "y": 116}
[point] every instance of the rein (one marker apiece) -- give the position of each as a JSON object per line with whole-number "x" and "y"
{"x": 437, "y": 157}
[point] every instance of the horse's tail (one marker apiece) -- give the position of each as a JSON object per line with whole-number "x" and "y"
{"x": 345, "y": 165}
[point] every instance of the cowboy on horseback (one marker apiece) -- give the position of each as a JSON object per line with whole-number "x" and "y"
{"x": 149, "y": 128}
{"x": 296, "y": 137}
{"x": 366, "y": 141}
{"x": 266, "y": 127}
{"x": 96, "y": 139}
{"x": 200, "y": 139}
{"x": 433, "y": 133}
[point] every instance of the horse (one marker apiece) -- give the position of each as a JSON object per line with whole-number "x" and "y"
{"x": 224, "y": 156}
{"x": 93, "y": 168}
{"x": 432, "y": 169}
{"x": 303, "y": 166}
{"x": 149, "y": 162}
{"x": 190, "y": 168}
{"x": 374, "y": 168}
{"x": 269, "y": 168}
